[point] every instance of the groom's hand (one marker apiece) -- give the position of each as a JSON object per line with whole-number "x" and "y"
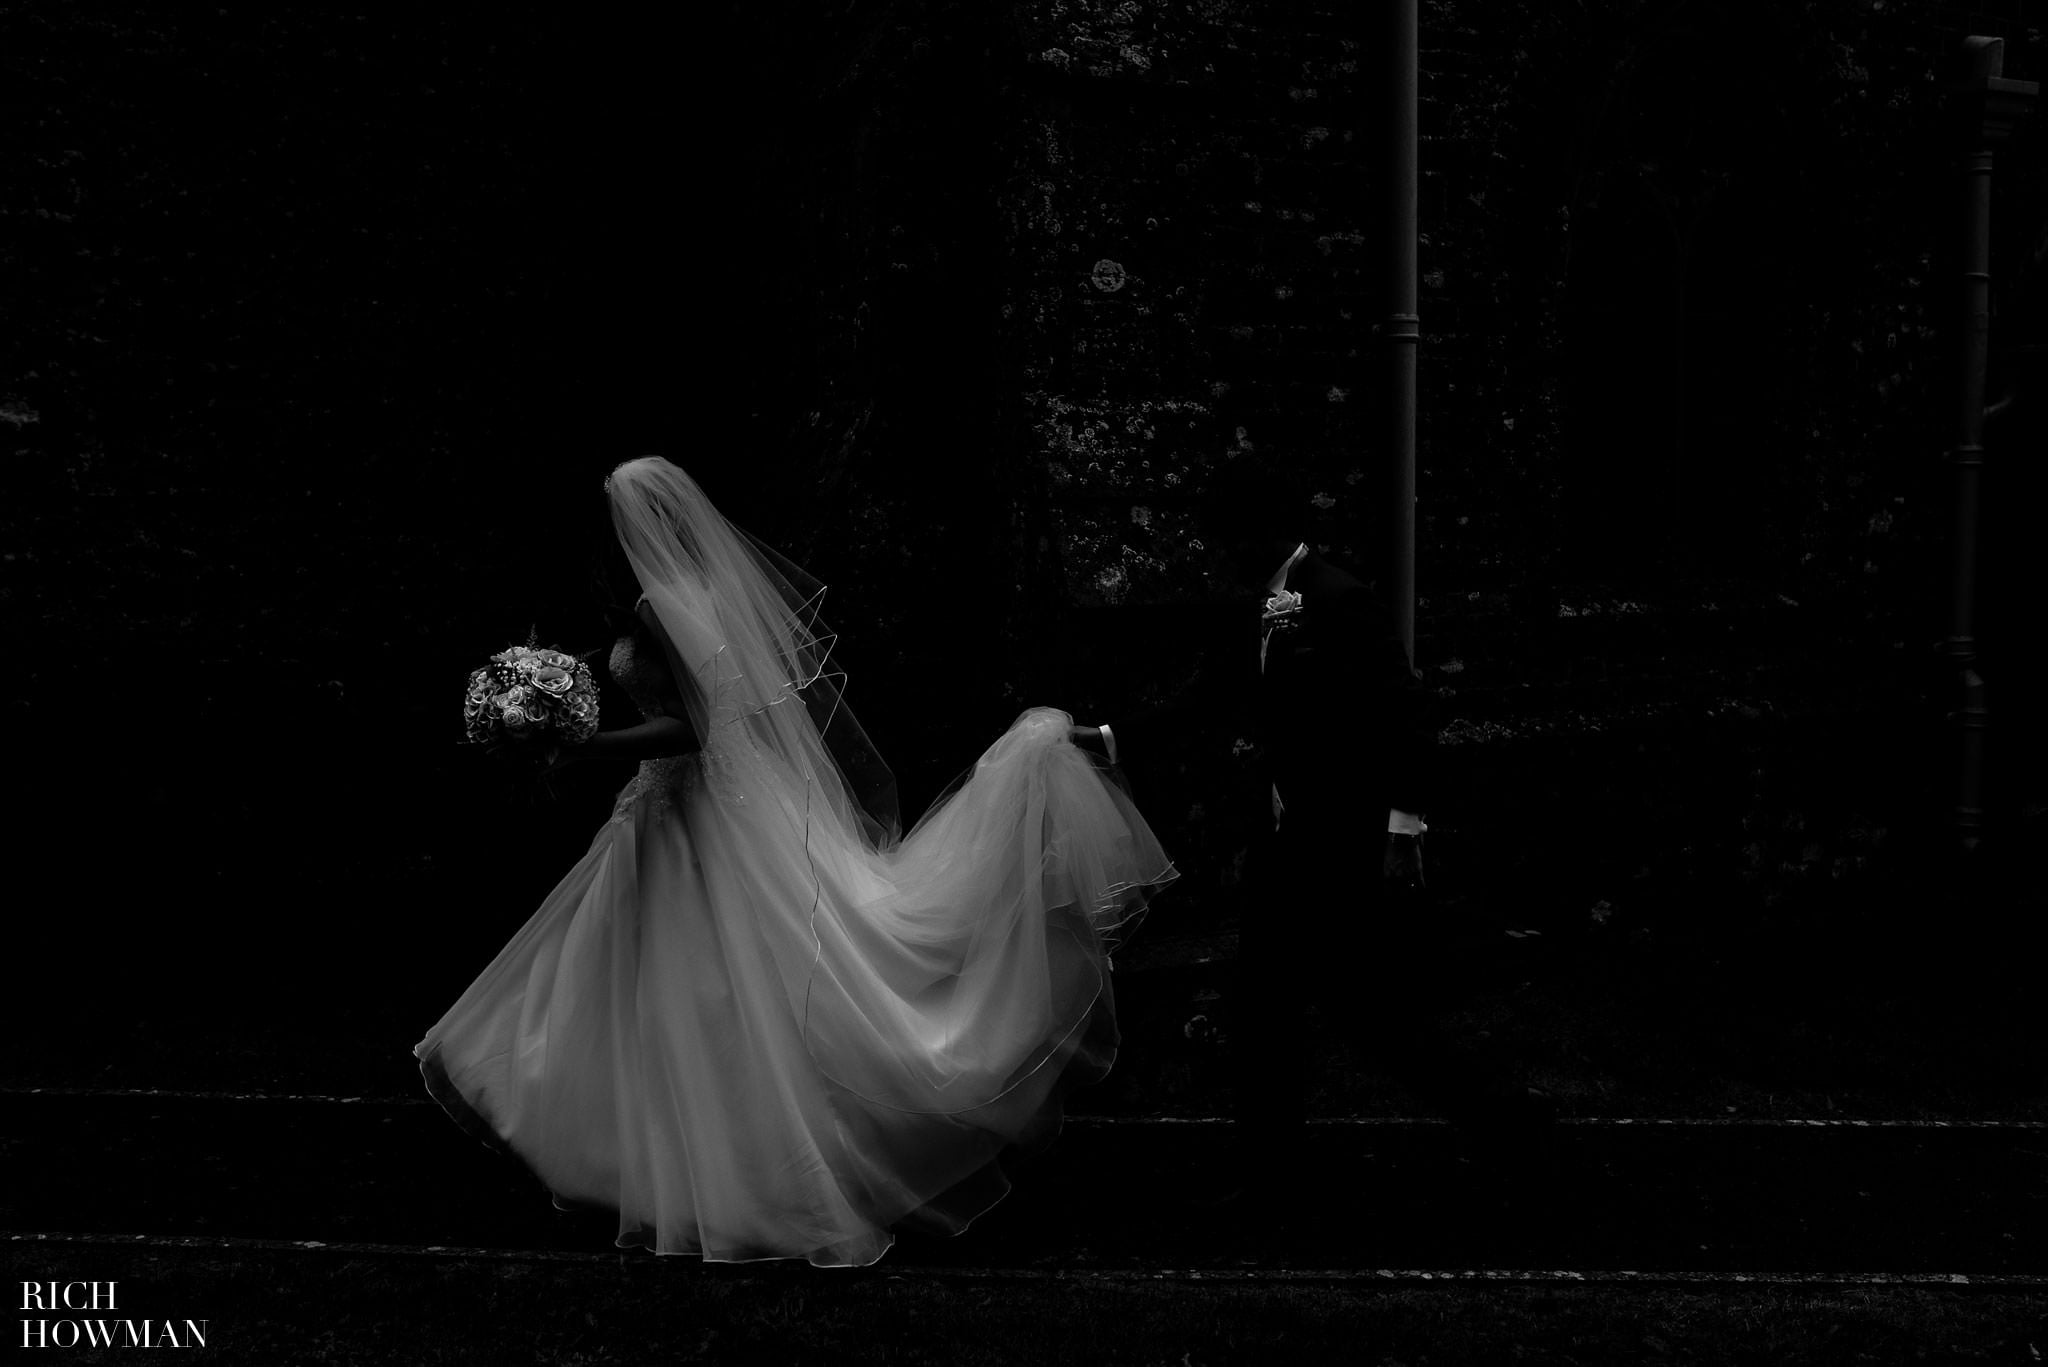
{"x": 1402, "y": 863}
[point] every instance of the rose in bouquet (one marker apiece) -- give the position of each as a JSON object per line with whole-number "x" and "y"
{"x": 529, "y": 703}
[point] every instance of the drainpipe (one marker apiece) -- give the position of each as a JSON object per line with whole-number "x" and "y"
{"x": 1401, "y": 329}
{"x": 1991, "y": 105}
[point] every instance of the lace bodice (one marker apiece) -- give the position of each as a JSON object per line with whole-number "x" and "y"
{"x": 664, "y": 781}
{"x": 640, "y": 674}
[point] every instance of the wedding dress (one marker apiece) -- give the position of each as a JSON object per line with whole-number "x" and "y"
{"x": 755, "y": 1023}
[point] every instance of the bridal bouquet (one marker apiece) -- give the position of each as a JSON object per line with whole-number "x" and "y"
{"x": 530, "y": 702}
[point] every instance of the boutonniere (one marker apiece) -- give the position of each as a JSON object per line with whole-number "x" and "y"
{"x": 1283, "y": 611}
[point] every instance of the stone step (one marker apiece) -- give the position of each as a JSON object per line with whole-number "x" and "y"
{"x": 1672, "y": 1197}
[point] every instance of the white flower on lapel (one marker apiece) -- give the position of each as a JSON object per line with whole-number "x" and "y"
{"x": 1283, "y": 611}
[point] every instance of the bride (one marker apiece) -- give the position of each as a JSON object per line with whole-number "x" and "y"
{"x": 752, "y": 1019}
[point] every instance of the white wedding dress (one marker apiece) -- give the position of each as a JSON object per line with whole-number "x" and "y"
{"x": 756, "y": 1034}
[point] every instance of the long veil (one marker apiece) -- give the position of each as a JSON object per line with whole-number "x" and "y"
{"x": 946, "y": 971}
{"x": 745, "y": 624}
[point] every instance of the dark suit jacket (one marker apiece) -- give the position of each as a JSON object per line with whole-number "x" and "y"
{"x": 1339, "y": 712}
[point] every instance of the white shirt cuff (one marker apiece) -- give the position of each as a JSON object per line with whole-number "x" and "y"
{"x": 1404, "y": 823}
{"x": 1108, "y": 741}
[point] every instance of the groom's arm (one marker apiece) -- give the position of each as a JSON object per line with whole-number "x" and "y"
{"x": 1391, "y": 731}
{"x": 1389, "y": 715}
{"x": 1406, "y": 735}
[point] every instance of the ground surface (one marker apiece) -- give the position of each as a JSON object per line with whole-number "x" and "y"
{"x": 1827, "y": 1153}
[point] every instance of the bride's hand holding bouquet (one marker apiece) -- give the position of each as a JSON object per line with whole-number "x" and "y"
{"x": 531, "y": 706}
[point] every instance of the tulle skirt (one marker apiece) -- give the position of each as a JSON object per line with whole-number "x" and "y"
{"x": 754, "y": 1035}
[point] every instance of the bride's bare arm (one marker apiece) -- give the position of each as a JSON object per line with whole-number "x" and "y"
{"x": 655, "y": 739}
{"x": 659, "y": 737}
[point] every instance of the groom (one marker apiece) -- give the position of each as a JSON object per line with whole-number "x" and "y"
{"x": 1320, "y": 679}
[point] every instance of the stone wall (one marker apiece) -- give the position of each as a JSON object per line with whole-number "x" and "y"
{"x": 323, "y": 327}
{"x": 1683, "y": 390}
